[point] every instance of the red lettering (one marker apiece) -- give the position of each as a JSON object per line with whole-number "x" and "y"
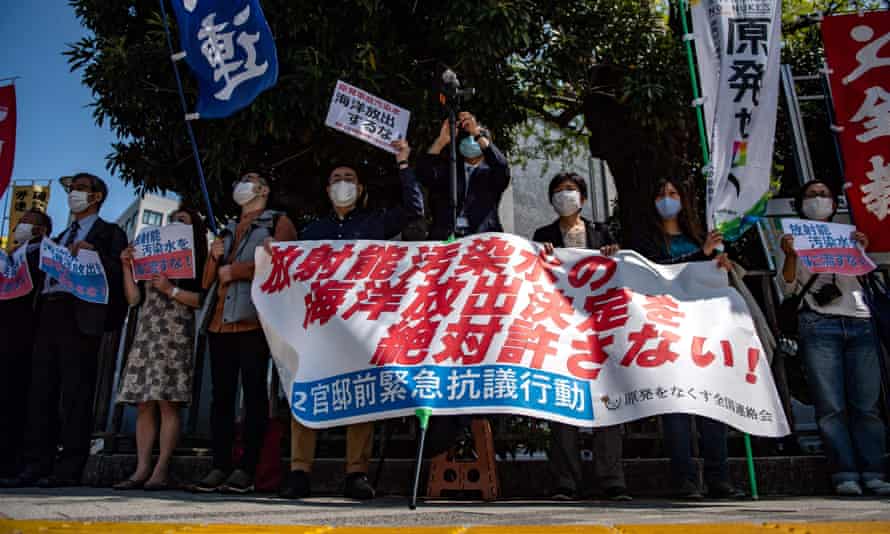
{"x": 493, "y": 295}
{"x": 322, "y": 262}
{"x": 405, "y": 344}
{"x": 486, "y": 254}
{"x": 607, "y": 310}
{"x": 534, "y": 265}
{"x": 553, "y": 305}
{"x": 323, "y": 301}
{"x": 597, "y": 267}
{"x": 378, "y": 296}
{"x": 279, "y": 278}
{"x": 592, "y": 353}
{"x": 656, "y": 357}
{"x": 699, "y": 357}
{"x": 467, "y": 341}
{"x": 435, "y": 297}
{"x": 523, "y": 336}
{"x": 662, "y": 309}
{"x": 377, "y": 262}
{"x": 433, "y": 262}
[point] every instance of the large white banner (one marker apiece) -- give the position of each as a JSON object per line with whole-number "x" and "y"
{"x": 738, "y": 46}
{"x": 367, "y": 330}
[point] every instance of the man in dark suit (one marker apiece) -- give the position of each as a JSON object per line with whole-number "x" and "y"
{"x": 17, "y": 331}
{"x": 482, "y": 176}
{"x": 65, "y": 356}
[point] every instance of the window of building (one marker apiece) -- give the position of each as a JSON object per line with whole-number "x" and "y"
{"x": 152, "y": 218}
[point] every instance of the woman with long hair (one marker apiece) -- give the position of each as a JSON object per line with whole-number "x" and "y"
{"x": 675, "y": 235}
{"x": 158, "y": 372}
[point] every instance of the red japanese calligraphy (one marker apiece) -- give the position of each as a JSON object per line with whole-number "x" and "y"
{"x": 656, "y": 357}
{"x": 493, "y": 295}
{"x": 405, "y": 344}
{"x": 534, "y": 265}
{"x": 435, "y": 297}
{"x": 607, "y": 310}
{"x": 699, "y": 356}
{"x": 377, "y": 262}
{"x": 378, "y": 296}
{"x": 322, "y": 262}
{"x": 323, "y": 301}
{"x": 585, "y": 364}
{"x": 279, "y": 277}
{"x": 524, "y": 336}
{"x": 553, "y": 305}
{"x": 468, "y": 341}
{"x": 486, "y": 254}
{"x": 662, "y": 309}
{"x": 599, "y": 268}
{"x": 433, "y": 262}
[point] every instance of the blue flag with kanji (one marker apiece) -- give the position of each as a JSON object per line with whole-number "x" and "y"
{"x": 229, "y": 47}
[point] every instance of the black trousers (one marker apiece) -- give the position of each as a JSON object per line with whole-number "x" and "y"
{"x": 16, "y": 347}
{"x": 247, "y": 354}
{"x": 63, "y": 380}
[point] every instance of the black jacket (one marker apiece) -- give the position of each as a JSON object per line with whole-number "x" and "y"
{"x": 598, "y": 234}
{"x": 655, "y": 249}
{"x": 94, "y": 319}
{"x": 19, "y": 314}
{"x": 479, "y": 205}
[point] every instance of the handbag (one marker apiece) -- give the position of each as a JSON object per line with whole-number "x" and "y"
{"x": 786, "y": 317}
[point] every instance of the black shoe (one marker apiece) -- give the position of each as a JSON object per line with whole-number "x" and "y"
{"x": 358, "y": 487}
{"x": 54, "y": 481}
{"x": 296, "y": 486}
{"x": 563, "y": 494}
{"x": 724, "y": 490}
{"x": 210, "y": 483}
{"x": 689, "y": 490}
{"x": 240, "y": 481}
{"x": 617, "y": 493}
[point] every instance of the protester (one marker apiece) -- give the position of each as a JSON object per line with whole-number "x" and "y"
{"x": 675, "y": 236}
{"x": 65, "y": 357}
{"x": 17, "y": 331}
{"x": 841, "y": 357}
{"x": 237, "y": 344}
{"x": 158, "y": 372}
{"x": 568, "y": 193}
{"x": 482, "y": 176}
{"x": 349, "y": 220}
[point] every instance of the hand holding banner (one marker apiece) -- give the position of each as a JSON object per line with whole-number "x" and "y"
{"x": 168, "y": 250}
{"x": 827, "y": 247}
{"x": 15, "y": 278}
{"x": 83, "y": 276}
{"x": 366, "y": 117}
{"x": 367, "y": 330}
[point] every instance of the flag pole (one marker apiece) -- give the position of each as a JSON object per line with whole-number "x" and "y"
{"x": 211, "y": 220}
{"x": 698, "y": 103}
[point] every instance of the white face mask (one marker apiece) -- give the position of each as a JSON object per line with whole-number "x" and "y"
{"x": 818, "y": 208}
{"x": 566, "y": 202}
{"x": 343, "y": 194}
{"x": 23, "y": 232}
{"x": 78, "y": 201}
{"x": 244, "y": 192}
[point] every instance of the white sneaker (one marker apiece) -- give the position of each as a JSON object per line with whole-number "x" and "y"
{"x": 878, "y": 486}
{"x": 850, "y": 488}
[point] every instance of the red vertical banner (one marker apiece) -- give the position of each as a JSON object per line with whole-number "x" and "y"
{"x": 7, "y": 135}
{"x": 857, "y": 49}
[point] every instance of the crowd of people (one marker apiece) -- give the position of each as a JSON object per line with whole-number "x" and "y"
{"x": 52, "y": 339}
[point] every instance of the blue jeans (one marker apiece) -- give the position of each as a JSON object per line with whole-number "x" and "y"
{"x": 678, "y": 441}
{"x": 845, "y": 378}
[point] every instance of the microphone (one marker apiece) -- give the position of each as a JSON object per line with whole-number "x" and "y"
{"x": 451, "y": 86}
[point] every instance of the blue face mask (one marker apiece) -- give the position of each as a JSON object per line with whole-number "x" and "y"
{"x": 469, "y": 148}
{"x": 668, "y": 207}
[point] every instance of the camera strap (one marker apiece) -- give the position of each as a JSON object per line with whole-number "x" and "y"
{"x": 806, "y": 289}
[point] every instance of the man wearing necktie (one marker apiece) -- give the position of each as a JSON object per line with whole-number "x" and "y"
{"x": 65, "y": 357}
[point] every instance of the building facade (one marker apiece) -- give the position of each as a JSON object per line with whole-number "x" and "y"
{"x": 147, "y": 210}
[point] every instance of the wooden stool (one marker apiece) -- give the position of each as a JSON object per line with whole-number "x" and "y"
{"x": 479, "y": 475}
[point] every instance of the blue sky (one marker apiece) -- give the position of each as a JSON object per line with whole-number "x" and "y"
{"x": 56, "y": 134}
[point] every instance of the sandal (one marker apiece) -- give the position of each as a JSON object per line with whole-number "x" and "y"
{"x": 157, "y": 486}
{"x": 129, "y": 484}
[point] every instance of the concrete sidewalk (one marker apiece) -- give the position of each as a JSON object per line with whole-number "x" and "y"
{"x": 104, "y": 505}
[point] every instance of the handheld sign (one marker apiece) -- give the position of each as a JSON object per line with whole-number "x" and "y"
{"x": 827, "y": 247}
{"x": 366, "y": 117}
{"x": 83, "y": 276}
{"x": 168, "y": 250}
{"x": 15, "y": 278}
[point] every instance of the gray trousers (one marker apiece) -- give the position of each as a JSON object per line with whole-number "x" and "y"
{"x": 565, "y": 456}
